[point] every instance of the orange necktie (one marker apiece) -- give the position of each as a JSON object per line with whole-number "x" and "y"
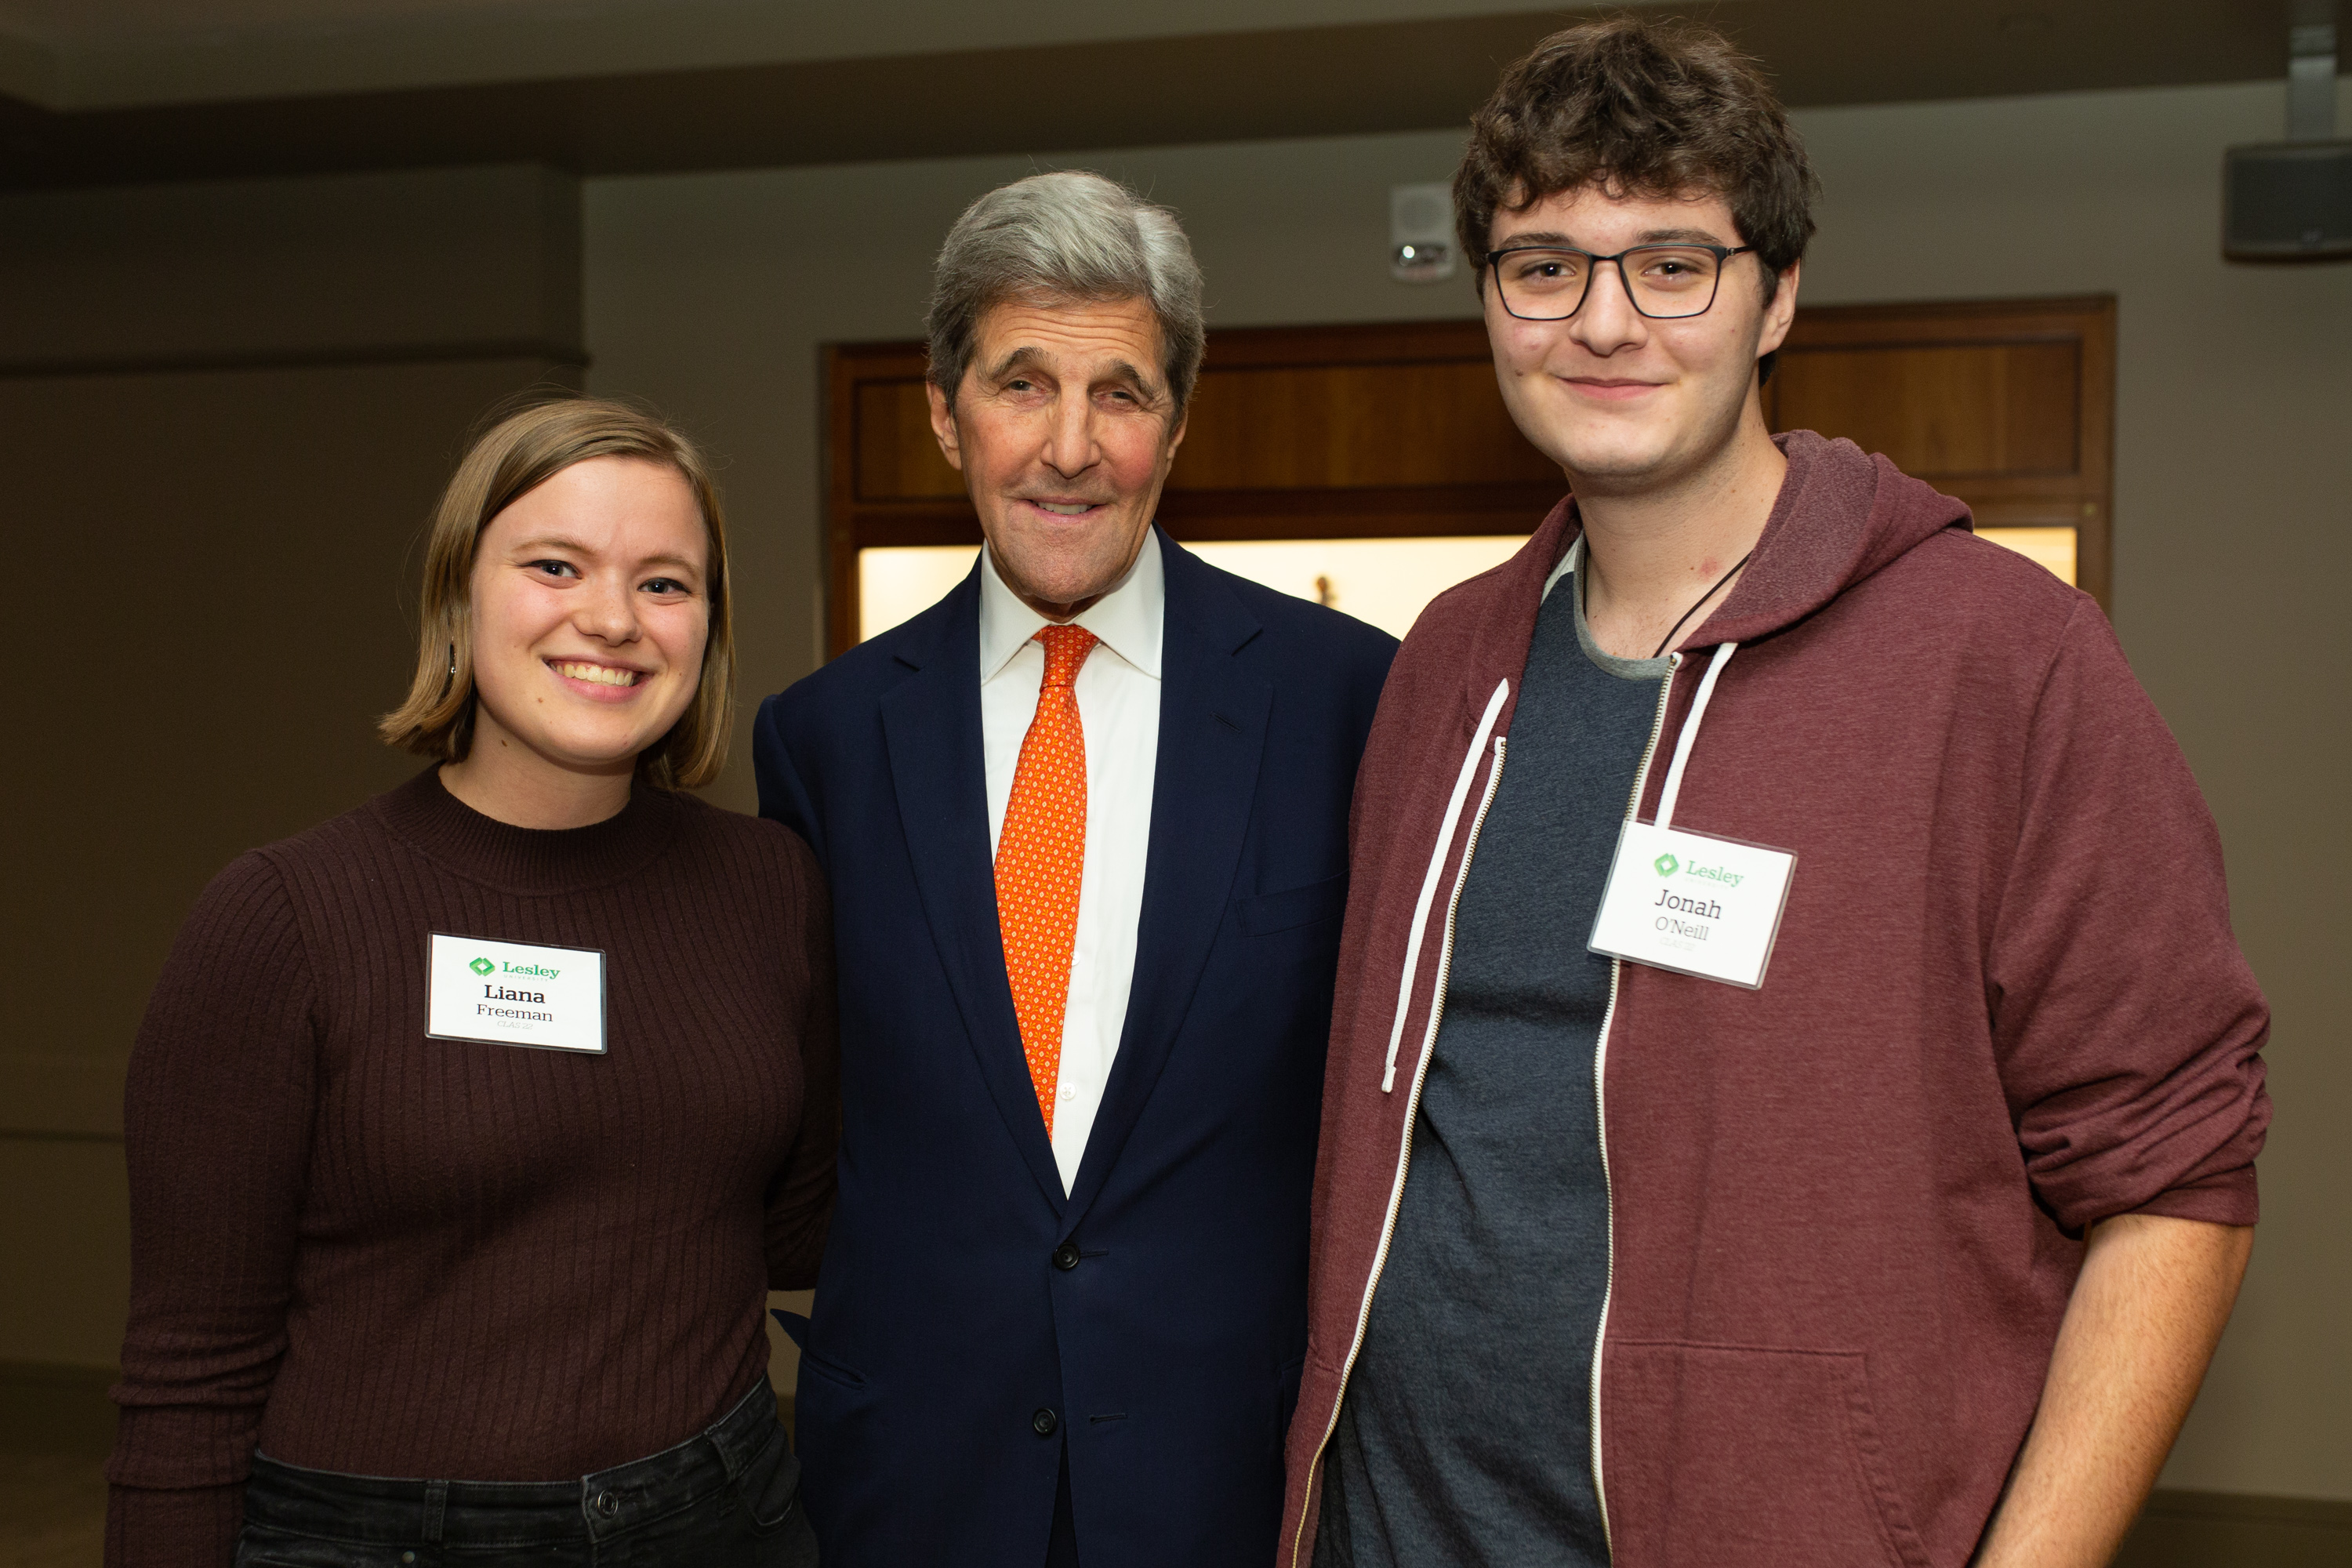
{"x": 1041, "y": 857}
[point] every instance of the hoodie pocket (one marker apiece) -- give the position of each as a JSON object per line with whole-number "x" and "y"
{"x": 1719, "y": 1453}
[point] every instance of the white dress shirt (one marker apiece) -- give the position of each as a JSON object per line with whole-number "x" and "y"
{"x": 1119, "y": 708}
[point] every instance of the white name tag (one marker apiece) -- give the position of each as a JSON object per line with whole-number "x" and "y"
{"x": 1693, "y": 903}
{"x": 513, "y": 993}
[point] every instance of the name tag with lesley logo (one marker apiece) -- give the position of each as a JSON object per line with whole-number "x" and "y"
{"x": 1689, "y": 902}
{"x": 1694, "y": 903}
{"x": 515, "y": 994}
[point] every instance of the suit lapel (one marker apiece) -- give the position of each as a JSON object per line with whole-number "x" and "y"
{"x": 930, "y": 722}
{"x": 1213, "y": 720}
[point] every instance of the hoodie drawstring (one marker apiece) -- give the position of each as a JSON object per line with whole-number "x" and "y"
{"x": 1666, "y": 800}
{"x": 1436, "y": 867}
{"x": 1672, "y": 791}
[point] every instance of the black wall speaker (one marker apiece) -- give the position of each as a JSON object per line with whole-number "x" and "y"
{"x": 2287, "y": 200}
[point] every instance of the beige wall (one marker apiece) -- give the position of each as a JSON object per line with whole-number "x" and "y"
{"x": 455, "y": 263}
{"x": 2234, "y": 515}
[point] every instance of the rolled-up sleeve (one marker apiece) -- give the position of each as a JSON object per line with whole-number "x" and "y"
{"x": 2128, "y": 1024}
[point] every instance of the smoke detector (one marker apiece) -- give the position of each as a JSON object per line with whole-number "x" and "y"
{"x": 1420, "y": 233}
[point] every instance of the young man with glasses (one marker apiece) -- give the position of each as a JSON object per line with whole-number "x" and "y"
{"x": 1790, "y": 1109}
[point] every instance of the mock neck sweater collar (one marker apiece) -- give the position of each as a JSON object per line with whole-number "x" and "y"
{"x": 425, "y": 817}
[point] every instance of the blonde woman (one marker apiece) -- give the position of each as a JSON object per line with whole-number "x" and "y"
{"x": 468, "y": 1130}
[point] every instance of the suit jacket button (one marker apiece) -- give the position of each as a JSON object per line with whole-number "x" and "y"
{"x": 1045, "y": 1423}
{"x": 1067, "y": 1255}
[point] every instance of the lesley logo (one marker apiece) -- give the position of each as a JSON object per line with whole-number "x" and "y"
{"x": 485, "y": 968}
{"x": 1667, "y": 865}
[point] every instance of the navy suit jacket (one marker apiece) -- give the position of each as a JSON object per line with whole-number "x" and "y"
{"x": 971, "y": 1319}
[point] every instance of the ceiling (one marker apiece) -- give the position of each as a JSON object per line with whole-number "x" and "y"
{"x": 104, "y": 54}
{"x": 85, "y": 19}
{"x": 97, "y": 92}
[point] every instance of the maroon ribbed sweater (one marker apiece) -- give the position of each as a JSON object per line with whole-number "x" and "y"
{"x": 365, "y": 1251}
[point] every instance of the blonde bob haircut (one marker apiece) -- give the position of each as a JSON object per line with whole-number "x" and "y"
{"x": 521, "y": 451}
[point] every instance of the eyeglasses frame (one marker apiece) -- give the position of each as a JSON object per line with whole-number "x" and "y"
{"x": 1722, "y": 253}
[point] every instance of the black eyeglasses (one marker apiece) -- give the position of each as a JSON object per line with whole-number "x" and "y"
{"x": 1664, "y": 282}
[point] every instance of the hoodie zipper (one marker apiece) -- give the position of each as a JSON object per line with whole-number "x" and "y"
{"x": 1600, "y": 1116}
{"x": 1404, "y": 1155}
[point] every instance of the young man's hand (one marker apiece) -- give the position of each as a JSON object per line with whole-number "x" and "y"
{"x": 2139, "y": 1329}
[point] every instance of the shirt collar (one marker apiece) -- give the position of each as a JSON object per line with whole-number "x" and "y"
{"x": 1567, "y": 563}
{"x": 1129, "y": 618}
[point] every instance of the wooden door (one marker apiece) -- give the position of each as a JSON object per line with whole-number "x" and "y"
{"x": 1395, "y": 431}
{"x": 2007, "y": 405}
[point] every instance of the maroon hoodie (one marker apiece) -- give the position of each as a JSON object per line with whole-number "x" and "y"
{"x": 1847, "y": 1209}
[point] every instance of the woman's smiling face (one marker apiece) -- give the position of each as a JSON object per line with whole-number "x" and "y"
{"x": 590, "y": 613}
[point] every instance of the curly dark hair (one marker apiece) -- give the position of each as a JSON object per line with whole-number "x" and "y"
{"x": 1642, "y": 107}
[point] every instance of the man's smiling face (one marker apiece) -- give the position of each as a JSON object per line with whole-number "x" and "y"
{"x": 1064, "y": 429}
{"x": 1624, "y": 403}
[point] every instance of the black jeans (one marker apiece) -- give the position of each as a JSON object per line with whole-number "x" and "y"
{"x": 728, "y": 1499}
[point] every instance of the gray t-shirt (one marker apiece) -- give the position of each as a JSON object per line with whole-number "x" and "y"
{"x": 1465, "y": 1436}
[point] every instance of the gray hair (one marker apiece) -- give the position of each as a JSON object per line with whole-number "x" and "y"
{"x": 1067, "y": 236}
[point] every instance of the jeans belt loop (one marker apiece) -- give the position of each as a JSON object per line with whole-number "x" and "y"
{"x": 730, "y": 1460}
{"x": 436, "y": 1504}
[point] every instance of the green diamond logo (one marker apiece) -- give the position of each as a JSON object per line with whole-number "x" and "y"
{"x": 1667, "y": 865}
{"x": 481, "y": 966}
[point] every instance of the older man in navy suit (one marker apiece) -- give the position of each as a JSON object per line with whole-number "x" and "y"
{"x": 1087, "y": 824}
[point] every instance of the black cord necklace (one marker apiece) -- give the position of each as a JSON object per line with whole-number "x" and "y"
{"x": 1702, "y": 599}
